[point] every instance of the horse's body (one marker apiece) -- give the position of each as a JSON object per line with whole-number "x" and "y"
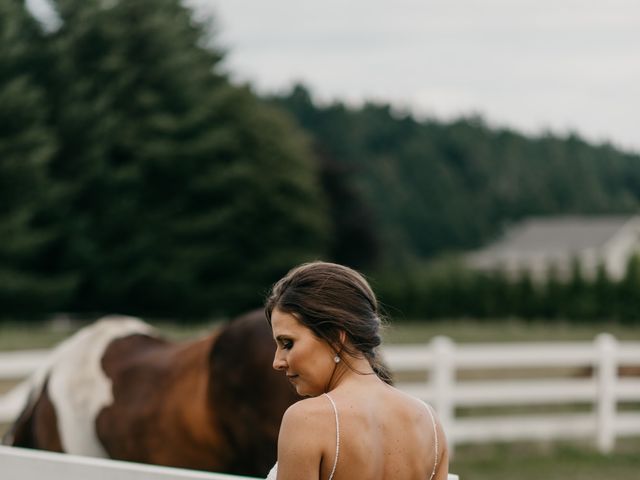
{"x": 117, "y": 389}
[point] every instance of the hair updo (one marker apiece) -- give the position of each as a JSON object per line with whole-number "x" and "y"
{"x": 329, "y": 298}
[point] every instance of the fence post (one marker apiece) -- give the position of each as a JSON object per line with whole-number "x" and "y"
{"x": 607, "y": 371}
{"x": 442, "y": 383}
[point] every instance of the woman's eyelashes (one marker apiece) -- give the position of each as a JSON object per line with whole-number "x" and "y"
{"x": 287, "y": 344}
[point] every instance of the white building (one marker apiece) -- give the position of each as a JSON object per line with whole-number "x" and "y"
{"x": 539, "y": 243}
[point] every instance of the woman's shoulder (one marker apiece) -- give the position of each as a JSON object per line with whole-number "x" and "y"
{"x": 409, "y": 402}
{"x": 309, "y": 410}
{"x": 305, "y": 431}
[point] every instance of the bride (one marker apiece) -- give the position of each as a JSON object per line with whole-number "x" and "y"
{"x": 354, "y": 424}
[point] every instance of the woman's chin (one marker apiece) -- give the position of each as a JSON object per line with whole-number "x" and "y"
{"x": 303, "y": 389}
{"x": 307, "y": 393}
{"x": 302, "y": 392}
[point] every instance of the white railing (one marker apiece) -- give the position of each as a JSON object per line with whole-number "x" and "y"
{"x": 23, "y": 464}
{"x": 592, "y": 382}
{"x": 15, "y": 366}
{"x": 590, "y": 378}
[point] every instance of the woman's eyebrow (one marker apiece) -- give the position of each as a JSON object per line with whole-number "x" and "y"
{"x": 283, "y": 336}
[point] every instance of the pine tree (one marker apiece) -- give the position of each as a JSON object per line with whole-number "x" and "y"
{"x": 628, "y": 289}
{"x": 186, "y": 194}
{"x": 26, "y": 148}
{"x": 354, "y": 236}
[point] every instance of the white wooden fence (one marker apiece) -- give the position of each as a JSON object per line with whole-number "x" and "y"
{"x": 593, "y": 381}
{"x": 23, "y": 464}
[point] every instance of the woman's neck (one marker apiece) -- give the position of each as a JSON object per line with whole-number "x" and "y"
{"x": 351, "y": 370}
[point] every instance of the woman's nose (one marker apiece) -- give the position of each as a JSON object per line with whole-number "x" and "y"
{"x": 279, "y": 362}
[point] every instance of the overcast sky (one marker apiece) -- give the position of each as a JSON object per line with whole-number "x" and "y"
{"x": 527, "y": 64}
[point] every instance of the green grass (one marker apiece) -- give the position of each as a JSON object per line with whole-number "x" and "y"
{"x": 557, "y": 461}
{"x": 25, "y": 335}
{"x": 509, "y": 330}
{"x": 20, "y": 335}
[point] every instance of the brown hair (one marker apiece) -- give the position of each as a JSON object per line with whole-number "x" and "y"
{"x": 329, "y": 298}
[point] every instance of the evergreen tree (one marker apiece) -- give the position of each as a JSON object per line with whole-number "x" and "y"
{"x": 628, "y": 289}
{"x": 604, "y": 294}
{"x": 26, "y": 148}
{"x": 580, "y": 293}
{"x": 354, "y": 238}
{"x": 183, "y": 195}
{"x": 554, "y": 294}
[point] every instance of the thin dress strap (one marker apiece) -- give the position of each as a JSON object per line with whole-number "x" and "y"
{"x": 335, "y": 410}
{"x": 435, "y": 434}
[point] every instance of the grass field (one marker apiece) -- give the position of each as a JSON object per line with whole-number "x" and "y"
{"x": 524, "y": 461}
{"x": 518, "y": 461}
{"x": 21, "y": 335}
{"x": 509, "y": 330}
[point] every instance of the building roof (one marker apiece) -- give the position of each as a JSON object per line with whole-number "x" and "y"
{"x": 553, "y": 236}
{"x": 569, "y": 233}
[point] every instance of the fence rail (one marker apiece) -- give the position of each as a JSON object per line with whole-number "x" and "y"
{"x": 23, "y": 464}
{"x": 593, "y": 382}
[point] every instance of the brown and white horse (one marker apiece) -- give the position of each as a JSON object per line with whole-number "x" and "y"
{"x": 117, "y": 389}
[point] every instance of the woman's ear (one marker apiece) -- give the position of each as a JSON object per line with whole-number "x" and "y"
{"x": 339, "y": 344}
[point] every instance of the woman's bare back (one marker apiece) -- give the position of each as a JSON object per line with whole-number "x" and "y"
{"x": 384, "y": 434}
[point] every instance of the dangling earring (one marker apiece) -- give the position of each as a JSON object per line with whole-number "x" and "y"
{"x": 336, "y": 358}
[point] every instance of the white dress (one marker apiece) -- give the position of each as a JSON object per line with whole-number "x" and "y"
{"x": 273, "y": 473}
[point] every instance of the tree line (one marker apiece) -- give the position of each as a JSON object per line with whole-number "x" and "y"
{"x": 447, "y": 289}
{"x": 423, "y": 187}
{"x": 136, "y": 177}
